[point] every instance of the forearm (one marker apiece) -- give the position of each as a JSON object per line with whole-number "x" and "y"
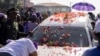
{"x": 33, "y": 54}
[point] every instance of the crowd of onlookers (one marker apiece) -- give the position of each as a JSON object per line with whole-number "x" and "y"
{"x": 14, "y": 25}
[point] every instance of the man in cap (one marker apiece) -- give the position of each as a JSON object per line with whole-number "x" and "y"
{"x": 11, "y": 29}
{"x": 96, "y": 50}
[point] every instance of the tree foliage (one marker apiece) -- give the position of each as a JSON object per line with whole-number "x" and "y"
{"x": 6, "y": 4}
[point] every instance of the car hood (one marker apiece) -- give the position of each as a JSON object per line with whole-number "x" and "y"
{"x": 60, "y": 51}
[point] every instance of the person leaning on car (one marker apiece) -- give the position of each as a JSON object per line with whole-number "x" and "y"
{"x": 95, "y": 51}
{"x": 20, "y": 47}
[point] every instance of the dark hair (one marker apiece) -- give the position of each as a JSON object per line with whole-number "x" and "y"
{"x": 91, "y": 15}
{"x": 98, "y": 15}
{"x": 32, "y": 19}
{"x": 12, "y": 10}
{"x": 97, "y": 35}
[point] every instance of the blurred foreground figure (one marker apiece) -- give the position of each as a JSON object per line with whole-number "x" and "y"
{"x": 20, "y": 47}
{"x": 96, "y": 50}
{"x": 3, "y": 19}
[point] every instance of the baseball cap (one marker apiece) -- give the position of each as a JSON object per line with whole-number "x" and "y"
{"x": 12, "y": 10}
{"x": 97, "y": 26}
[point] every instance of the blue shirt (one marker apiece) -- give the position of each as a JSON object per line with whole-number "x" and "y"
{"x": 92, "y": 52}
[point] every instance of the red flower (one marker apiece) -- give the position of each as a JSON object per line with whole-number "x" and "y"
{"x": 51, "y": 19}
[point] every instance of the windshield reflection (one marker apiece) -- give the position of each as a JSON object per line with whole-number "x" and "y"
{"x": 61, "y": 36}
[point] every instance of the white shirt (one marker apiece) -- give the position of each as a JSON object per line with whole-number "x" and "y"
{"x": 21, "y": 47}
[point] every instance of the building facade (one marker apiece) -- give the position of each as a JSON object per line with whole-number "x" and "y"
{"x": 51, "y": 7}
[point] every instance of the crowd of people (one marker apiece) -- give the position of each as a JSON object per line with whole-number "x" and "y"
{"x": 17, "y": 26}
{"x": 13, "y": 25}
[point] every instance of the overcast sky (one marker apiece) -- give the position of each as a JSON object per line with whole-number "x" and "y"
{"x": 96, "y": 3}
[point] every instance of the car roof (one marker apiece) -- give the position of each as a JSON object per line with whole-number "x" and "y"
{"x": 59, "y": 21}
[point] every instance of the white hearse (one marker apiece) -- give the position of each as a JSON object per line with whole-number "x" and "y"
{"x": 59, "y": 35}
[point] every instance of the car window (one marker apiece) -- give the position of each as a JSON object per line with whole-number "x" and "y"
{"x": 61, "y": 36}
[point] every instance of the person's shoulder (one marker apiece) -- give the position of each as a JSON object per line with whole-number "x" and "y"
{"x": 24, "y": 39}
{"x": 98, "y": 19}
{"x": 98, "y": 22}
{"x": 90, "y": 51}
